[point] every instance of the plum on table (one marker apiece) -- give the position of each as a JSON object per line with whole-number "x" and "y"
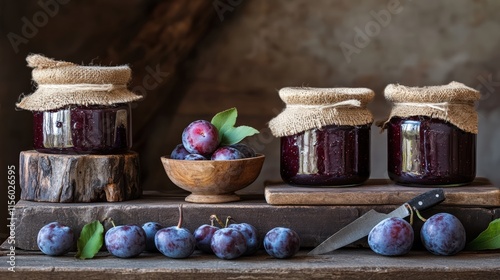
{"x": 55, "y": 239}
{"x": 150, "y": 228}
{"x": 125, "y": 241}
{"x": 391, "y": 237}
{"x": 443, "y": 234}
{"x": 281, "y": 242}
{"x": 203, "y": 235}
{"x": 175, "y": 242}
{"x": 228, "y": 243}
{"x": 251, "y": 237}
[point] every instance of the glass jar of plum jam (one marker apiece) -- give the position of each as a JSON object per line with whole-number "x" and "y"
{"x": 333, "y": 155}
{"x": 324, "y": 136}
{"x": 79, "y": 109}
{"x": 74, "y": 129}
{"x": 431, "y": 135}
{"x": 426, "y": 151}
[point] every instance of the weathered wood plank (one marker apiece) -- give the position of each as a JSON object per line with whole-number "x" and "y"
{"x": 343, "y": 264}
{"x": 313, "y": 223}
{"x": 379, "y": 192}
{"x": 79, "y": 178}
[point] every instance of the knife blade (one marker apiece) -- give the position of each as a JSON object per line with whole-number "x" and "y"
{"x": 360, "y": 227}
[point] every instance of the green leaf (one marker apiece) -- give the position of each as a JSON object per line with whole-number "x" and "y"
{"x": 225, "y": 120}
{"x": 90, "y": 241}
{"x": 228, "y": 134}
{"x": 488, "y": 239}
{"x": 236, "y": 134}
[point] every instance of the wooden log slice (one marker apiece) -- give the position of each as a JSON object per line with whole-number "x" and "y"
{"x": 79, "y": 178}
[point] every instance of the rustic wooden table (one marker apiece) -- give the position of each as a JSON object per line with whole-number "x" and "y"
{"x": 342, "y": 264}
{"x": 314, "y": 223}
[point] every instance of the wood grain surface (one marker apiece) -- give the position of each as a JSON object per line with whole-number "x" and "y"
{"x": 213, "y": 181}
{"x": 313, "y": 223}
{"x": 379, "y": 192}
{"x": 79, "y": 178}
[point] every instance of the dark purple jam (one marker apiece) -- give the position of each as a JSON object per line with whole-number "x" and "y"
{"x": 83, "y": 130}
{"x": 331, "y": 156}
{"x": 427, "y": 151}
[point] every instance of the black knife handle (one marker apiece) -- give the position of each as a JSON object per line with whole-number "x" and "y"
{"x": 427, "y": 199}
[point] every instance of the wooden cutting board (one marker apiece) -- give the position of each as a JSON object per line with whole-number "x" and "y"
{"x": 480, "y": 193}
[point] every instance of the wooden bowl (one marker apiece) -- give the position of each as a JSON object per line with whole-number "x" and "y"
{"x": 213, "y": 181}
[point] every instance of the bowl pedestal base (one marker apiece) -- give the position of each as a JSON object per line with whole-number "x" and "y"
{"x": 212, "y": 198}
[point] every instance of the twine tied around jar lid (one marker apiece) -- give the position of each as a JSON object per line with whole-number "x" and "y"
{"x": 453, "y": 103}
{"x": 61, "y": 83}
{"x": 308, "y": 108}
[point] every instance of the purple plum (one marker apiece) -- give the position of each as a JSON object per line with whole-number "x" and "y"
{"x": 125, "y": 241}
{"x": 55, "y": 239}
{"x": 175, "y": 242}
{"x": 391, "y": 237}
{"x": 281, "y": 242}
{"x": 203, "y": 237}
{"x": 246, "y": 150}
{"x": 195, "y": 157}
{"x": 228, "y": 243}
{"x": 443, "y": 234}
{"x": 227, "y": 153}
{"x": 150, "y": 229}
{"x": 200, "y": 137}
{"x": 179, "y": 152}
{"x": 251, "y": 236}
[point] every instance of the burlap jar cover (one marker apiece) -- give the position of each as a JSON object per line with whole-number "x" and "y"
{"x": 62, "y": 83}
{"x": 309, "y": 108}
{"x": 453, "y": 103}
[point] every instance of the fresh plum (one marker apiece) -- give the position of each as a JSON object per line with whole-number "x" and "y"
{"x": 228, "y": 243}
{"x": 227, "y": 153}
{"x": 200, "y": 137}
{"x": 246, "y": 150}
{"x": 150, "y": 229}
{"x": 281, "y": 242}
{"x": 443, "y": 234}
{"x": 125, "y": 241}
{"x": 203, "y": 237}
{"x": 175, "y": 242}
{"x": 251, "y": 236}
{"x": 179, "y": 152}
{"x": 55, "y": 239}
{"x": 391, "y": 237}
{"x": 195, "y": 157}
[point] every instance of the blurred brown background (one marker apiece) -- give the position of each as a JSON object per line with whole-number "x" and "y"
{"x": 191, "y": 59}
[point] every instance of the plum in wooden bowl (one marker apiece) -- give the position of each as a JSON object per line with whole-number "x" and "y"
{"x": 213, "y": 181}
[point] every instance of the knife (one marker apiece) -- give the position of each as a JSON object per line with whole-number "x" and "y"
{"x": 360, "y": 227}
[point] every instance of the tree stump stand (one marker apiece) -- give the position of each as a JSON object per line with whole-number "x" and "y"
{"x": 79, "y": 178}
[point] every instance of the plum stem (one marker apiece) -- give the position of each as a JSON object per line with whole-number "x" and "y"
{"x": 227, "y": 220}
{"x": 109, "y": 219}
{"x": 411, "y": 212}
{"x": 213, "y": 216}
{"x": 179, "y": 225}
{"x": 419, "y": 215}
